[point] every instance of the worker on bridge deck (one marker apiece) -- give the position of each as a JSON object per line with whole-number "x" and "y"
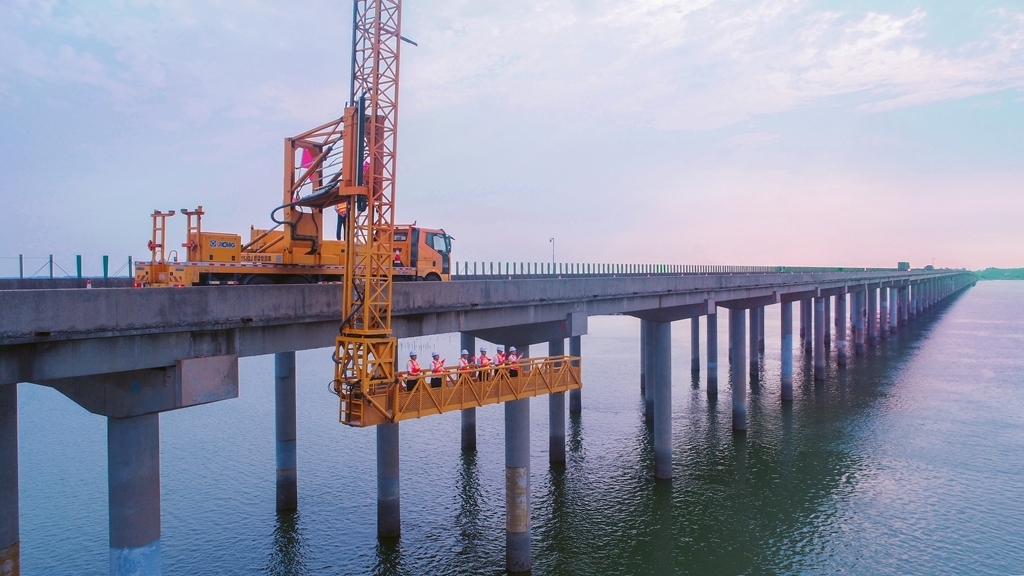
{"x": 464, "y": 361}
{"x": 499, "y": 356}
{"x": 483, "y": 361}
{"x": 436, "y": 367}
{"x": 413, "y": 369}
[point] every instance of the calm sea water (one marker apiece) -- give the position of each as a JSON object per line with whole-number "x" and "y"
{"x": 909, "y": 461}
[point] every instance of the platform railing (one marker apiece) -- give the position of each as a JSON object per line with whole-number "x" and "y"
{"x": 22, "y": 266}
{"x": 454, "y": 388}
{"x": 479, "y": 270}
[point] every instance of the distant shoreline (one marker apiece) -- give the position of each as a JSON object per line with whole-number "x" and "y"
{"x": 1001, "y": 274}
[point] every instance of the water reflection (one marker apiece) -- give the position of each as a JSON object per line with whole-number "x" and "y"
{"x": 287, "y": 556}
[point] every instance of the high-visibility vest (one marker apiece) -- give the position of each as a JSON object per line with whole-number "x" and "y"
{"x": 342, "y": 209}
{"x": 499, "y": 358}
{"x": 483, "y": 360}
{"x": 437, "y": 366}
{"x": 414, "y": 366}
{"x": 463, "y": 363}
{"x": 511, "y": 358}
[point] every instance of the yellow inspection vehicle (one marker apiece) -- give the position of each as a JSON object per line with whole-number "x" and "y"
{"x": 285, "y": 254}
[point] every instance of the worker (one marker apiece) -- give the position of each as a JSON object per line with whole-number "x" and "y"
{"x": 464, "y": 361}
{"x": 397, "y": 263}
{"x": 413, "y": 369}
{"x": 499, "y": 356}
{"x": 483, "y": 362}
{"x": 342, "y": 209}
{"x": 512, "y": 361}
{"x": 436, "y": 367}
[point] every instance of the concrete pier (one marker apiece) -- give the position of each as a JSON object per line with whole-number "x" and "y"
{"x": 647, "y": 368}
{"x": 389, "y": 509}
{"x": 883, "y": 313}
{"x": 787, "y": 351}
{"x": 828, "y": 321}
{"x": 468, "y": 416}
{"x": 738, "y": 352}
{"x": 10, "y": 538}
{"x": 576, "y": 396}
{"x": 755, "y": 333}
{"x": 904, "y": 305}
{"x": 517, "y": 486}
{"x": 712, "y": 345}
{"x": 556, "y": 413}
{"x": 284, "y": 410}
{"x": 695, "y": 344}
{"x": 894, "y": 318}
{"x": 133, "y": 483}
{"x": 859, "y": 310}
{"x": 915, "y": 298}
{"x": 841, "y": 329}
{"x": 760, "y": 329}
{"x": 807, "y": 324}
{"x": 660, "y": 340}
{"x": 819, "y": 338}
{"x": 872, "y": 317}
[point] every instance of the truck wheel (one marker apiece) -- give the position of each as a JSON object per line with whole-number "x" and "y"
{"x": 296, "y": 280}
{"x": 254, "y": 280}
{"x": 432, "y": 277}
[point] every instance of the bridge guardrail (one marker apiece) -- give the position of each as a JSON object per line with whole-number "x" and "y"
{"x": 26, "y": 267}
{"x": 519, "y": 270}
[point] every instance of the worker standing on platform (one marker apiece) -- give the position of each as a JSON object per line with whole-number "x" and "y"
{"x": 483, "y": 361}
{"x": 436, "y": 367}
{"x": 342, "y": 210}
{"x": 413, "y": 368}
{"x": 499, "y": 356}
{"x": 464, "y": 361}
{"x": 512, "y": 361}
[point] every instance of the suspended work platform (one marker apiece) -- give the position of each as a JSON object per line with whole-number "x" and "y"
{"x": 454, "y": 389}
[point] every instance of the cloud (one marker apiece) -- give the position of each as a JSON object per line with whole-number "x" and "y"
{"x": 700, "y": 65}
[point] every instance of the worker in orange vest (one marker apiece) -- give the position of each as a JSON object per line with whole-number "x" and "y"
{"x": 413, "y": 368}
{"x": 499, "y": 356}
{"x": 464, "y": 361}
{"x": 512, "y": 361}
{"x": 342, "y": 209}
{"x": 436, "y": 367}
{"x": 483, "y": 361}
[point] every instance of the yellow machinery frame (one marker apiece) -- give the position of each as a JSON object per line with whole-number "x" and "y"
{"x": 394, "y": 401}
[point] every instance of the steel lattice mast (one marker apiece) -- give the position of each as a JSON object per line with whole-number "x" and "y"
{"x": 365, "y": 352}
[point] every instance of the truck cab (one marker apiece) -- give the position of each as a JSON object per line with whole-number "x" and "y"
{"x": 422, "y": 253}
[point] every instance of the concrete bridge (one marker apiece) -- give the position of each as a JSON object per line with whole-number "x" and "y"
{"x": 129, "y": 354}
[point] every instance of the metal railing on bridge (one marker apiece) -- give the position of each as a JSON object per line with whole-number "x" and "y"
{"x": 22, "y": 266}
{"x": 519, "y": 270}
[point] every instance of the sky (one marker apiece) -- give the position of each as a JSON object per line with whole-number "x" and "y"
{"x": 754, "y": 132}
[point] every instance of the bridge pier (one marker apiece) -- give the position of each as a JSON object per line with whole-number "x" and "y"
{"x": 389, "y": 509}
{"x": 755, "y": 333}
{"x": 787, "y": 351}
{"x": 872, "y": 316}
{"x": 841, "y": 329}
{"x": 284, "y": 411}
{"x": 661, "y": 340}
{"x": 738, "y": 352}
{"x": 647, "y": 362}
{"x": 468, "y": 415}
{"x": 883, "y": 312}
{"x": 904, "y": 305}
{"x": 712, "y": 350}
{"x": 807, "y": 324}
{"x": 133, "y": 482}
{"x": 858, "y": 321}
{"x": 10, "y": 532}
{"x": 556, "y": 413}
{"x": 819, "y": 338}
{"x": 517, "y": 486}
{"x": 894, "y": 325}
{"x": 915, "y": 297}
{"x": 643, "y": 362}
{"x": 828, "y": 323}
{"x": 576, "y": 396}
{"x": 695, "y": 345}
{"x": 760, "y": 329}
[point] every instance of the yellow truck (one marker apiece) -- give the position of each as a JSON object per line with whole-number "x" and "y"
{"x": 281, "y": 255}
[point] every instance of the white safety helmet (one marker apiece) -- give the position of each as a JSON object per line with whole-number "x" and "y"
{"x": 434, "y": 353}
{"x": 412, "y": 353}
{"x": 512, "y": 349}
{"x": 464, "y": 352}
